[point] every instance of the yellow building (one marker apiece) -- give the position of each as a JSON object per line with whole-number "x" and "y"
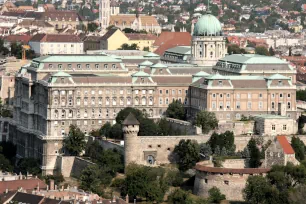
{"x": 114, "y": 38}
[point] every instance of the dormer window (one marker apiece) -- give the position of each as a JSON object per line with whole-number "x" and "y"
{"x": 114, "y": 66}
{"x": 161, "y": 71}
{"x": 63, "y": 79}
{"x": 78, "y": 66}
{"x": 142, "y": 79}
{"x": 60, "y": 66}
{"x": 105, "y": 66}
{"x": 87, "y": 66}
{"x": 97, "y": 66}
{"x": 220, "y": 83}
{"x": 280, "y": 83}
{"x": 69, "y": 66}
{"x": 50, "y": 66}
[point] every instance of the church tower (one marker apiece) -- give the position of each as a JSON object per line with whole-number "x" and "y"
{"x": 208, "y": 42}
{"x": 104, "y": 14}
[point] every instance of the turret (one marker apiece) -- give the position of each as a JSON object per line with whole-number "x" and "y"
{"x": 130, "y": 128}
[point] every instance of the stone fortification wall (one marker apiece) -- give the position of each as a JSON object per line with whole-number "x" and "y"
{"x": 231, "y": 185}
{"x": 73, "y": 166}
{"x": 234, "y": 163}
{"x": 184, "y": 127}
{"x": 238, "y": 127}
{"x": 111, "y": 145}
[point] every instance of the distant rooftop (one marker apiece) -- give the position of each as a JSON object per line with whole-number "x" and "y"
{"x": 76, "y": 58}
{"x": 252, "y": 59}
{"x": 270, "y": 116}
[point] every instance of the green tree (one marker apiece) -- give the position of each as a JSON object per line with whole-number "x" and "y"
{"x": 254, "y": 154}
{"x": 111, "y": 161}
{"x": 3, "y": 50}
{"x": 301, "y": 95}
{"x": 126, "y": 46}
{"x": 261, "y": 50}
{"x": 147, "y": 48}
{"x": 8, "y": 150}
{"x": 5, "y": 164}
{"x": 29, "y": 165}
{"x": 94, "y": 150}
{"x": 235, "y": 49}
{"x": 126, "y": 111}
{"x": 75, "y": 142}
{"x": 16, "y": 50}
{"x": 222, "y": 141}
{"x": 116, "y": 132}
{"x": 94, "y": 179}
{"x": 297, "y": 195}
{"x": 299, "y": 148}
{"x": 271, "y": 51}
{"x": 205, "y": 150}
{"x": 259, "y": 191}
{"x": 105, "y": 129}
{"x": 188, "y": 152}
{"x": 176, "y": 110}
{"x": 58, "y": 178}
{"x": 92, "y": 27}
{"x": 206, "y": 120}
{"x": 215, "y": 196}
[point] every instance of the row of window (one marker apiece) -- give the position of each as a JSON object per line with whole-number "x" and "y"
{"x": 273, "y": 127}
{"x": 100, "y": 92}
{"x": 173, "y": 92}
{"x": 79, "y": 66}
{"x": 238, "y": 117}
{"x": 108, "y": 101}
{"x": 161, "y": 101}
{"x": 249, "y": 105}
{"x": 260, "y": 95}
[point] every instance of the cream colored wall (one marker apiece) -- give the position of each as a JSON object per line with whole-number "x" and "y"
{"x": 116, "y": 40}
{"x": 143, "y": 43}
{"x": 61, "y": 48}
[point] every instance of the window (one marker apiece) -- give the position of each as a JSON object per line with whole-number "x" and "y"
{"x": 69, "y": 66}
{"x": 136, "y": 101}
{"x": 280, "y": 83}
{"x": 50, "y": 66}
{"x": 55, "y": 123}
{"x": 100, "y": 92}
{"x": 151, "y": 101}
{"x": 85, "y": 114}
{"x": 228, "y": 116}
{"x": 70, "y": 102}
{"x": 260, "y": 105}
{"x": 100, "y": 113}
{"x": 60, "y": 66}
{"x": 173, "y": 92}
{"x": 97, "y": 66}
{"x": 273, "y": 95}
{"x": 273, "y": 127}
{"x": 78, "y": 101}
{"x": 55, "y": 102}
{"x": 260, "y": 95}
{"x": 87, "y": 66}
{"x": 221, "y": 105}
{"x": 284, "y": 127}
{"x": 160, "y": 101}
{"x": 281, "y": 95}
{"x": 249, "y": 95}
{"x": 150, "y": 91}
{"x": 228, "y": 105}
{"x": 167, "y": 101}
{"x": 114, "y": 101}
{"x": 226, "y": 182}
{"x": 237, "y": 95}
{"x": 121, "y": 101}
{"x": 289, "y": 95}
{"x": 121, "y": 91}
{"x": 220, "y": 83}
{"x": 213, "y": 105}
{"x": 238, "y": 116}
{"x": 288, "y": 105}
{"x": 227, "y": 95}
{"x": 128, "y": 101}
{"x": 143, "y": 91}
{"x": 238, "y": 105}
{"x": 221, "y": 95}
{"x": 63, "y": 92}
{"x": 105, "y": 66}
{"x": 214, "y": 95}
{"x": 85, "y": 122}
{"x": 160, "y": 91}
{"x": 114, "y": 91}
{"x": 93, "y": 101}
{"x": 107, "y": 91}
{"x": 272, "y": 105}
{"x": 92, "y": 92}
{"x": 249, "y": 105}
{"x": 167, "y": 91}
{"x": 107, "y": 101}
{"x": 85, "y": 101}
{"x": 79, "y": 66}
{"x": 179, "y": 92}
{"x": 136, "y": 91}
{"x": 143, "y": 101}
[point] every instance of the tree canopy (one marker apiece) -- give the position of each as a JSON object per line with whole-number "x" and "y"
{"x": 92, "y": 27}
{"x": 75, "y": 142}
{"x": 126, "y": 46}
{"x": 206, "y": 120}
{"x": 235, "y": 49}
{"x": 176, "y": 110}
{"x": 254, "y": 154}
{"x": 299, "y": 148}
{"x": 261, "y": 50}
{"x": 188, "y": 152}
{"x": 222, "y": 141}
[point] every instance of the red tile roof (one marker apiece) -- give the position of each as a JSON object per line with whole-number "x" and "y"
{"x": 285, "y": 145}
{"x": 203, "y": 168}
{"x": 18, "y": 38}
{"x": 26, "y": 184}
{"x": 168, "y": 40}
{"x": 55, "y": 38}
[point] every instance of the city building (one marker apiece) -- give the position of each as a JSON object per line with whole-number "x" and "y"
{"x": 86, "y": 90}
{"x": 44, "y": 44}
{"x": 138, "y": 23}
{"x": 208, "y": 42}
{"x": 179, "y": 54}
{"x": 104, "y": 14}
{"x": 231, "y": 97}
{"x": 91, "y": 43}
{"x": 280, "y": 152}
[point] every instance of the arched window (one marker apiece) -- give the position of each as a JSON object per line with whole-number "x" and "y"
{"x": 114, "y": 101}
{"x": 63, "y": 114}
{"x": 100, "y": 112}
{"x": 136, "y": 101}
{"x": 288, "y": 105}
{"x": 93, "y": 113}
{"x": 150, "y": 160}
{"x": 78, "y": 113}
{"x": 85, "y": 114}
{"x": 107, "y": 112}
{"x": 128, "y": 101}
{"x": 70, "y": 114}
{"x": 143, "y": 101}
{"x": 272, "y": 105}
{"x": 151, "y": 113}
{"x": 151, "y": 101}
{"x": 56, "y": 113}
{"x": 121, "y": 101}
{"x": 107, "y": 101}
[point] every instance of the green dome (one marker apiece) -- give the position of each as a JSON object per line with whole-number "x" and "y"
{"x": 208, "y": 25}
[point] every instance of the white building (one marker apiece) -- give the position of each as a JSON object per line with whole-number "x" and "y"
{"x": 104, "y": 14}
{"x": 44, "y": 44}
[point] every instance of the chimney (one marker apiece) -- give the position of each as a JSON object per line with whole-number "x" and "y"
{"x": 127, "y": 198}
{"x": 38, "y": 186}
{"x": 55, "y": 187}
{"x": 20, "y": 176}
{"x": 47, "y": 187}
{"x": 62, "y": 188}
{"x": 6, "y": 190}
{"x": 51, "y": 184}
{"x": 114, "y": 199}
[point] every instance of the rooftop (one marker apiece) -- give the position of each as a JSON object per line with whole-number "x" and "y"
{"x": 75, "y": 58}
{"x": 252, "y": 59}
{"x": 285, "y": 144}
{"x": 130, "y": 120}
{"x": 185, "y": 50}
{"x": 270, "y": 116}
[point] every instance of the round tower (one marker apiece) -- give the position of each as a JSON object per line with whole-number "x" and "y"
{"x": 130, "y": 128}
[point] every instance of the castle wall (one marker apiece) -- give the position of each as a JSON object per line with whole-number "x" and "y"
{"x": 238, "y": 127}
{"x": 185, "y": 127}
{"x": 234, "y": 163}
{"x": 73, "y": 166}
{"x": 111, "y": 145}
{"x": 231, "y": 185}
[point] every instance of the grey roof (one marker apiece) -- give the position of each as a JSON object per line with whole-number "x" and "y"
{"x": 184, "y": 50}
{"x": 252, "y": 59}
{"x": 130, "y": 120}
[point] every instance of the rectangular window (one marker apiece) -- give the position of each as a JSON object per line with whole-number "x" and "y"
{"x": 136, "y": 91}
{"x": 227, "y": 95}
{"x": 143, "y": 91}
{"x": 273, "y": 95}
{"x": 273, "y": 127}
{"x": 60, "y": 66}
{"x": 214, "y": 95}
{"x": 105, "y": 66}
{"x": 69, "y": 66}
{"x": 167, "y": 101}
{"x": 281, "y": 95}
{"x": 228, "y": 105}
{"x": 284, "y": 127}
{"x": 213, "y": 105}
{"x": 93, "y": 92}
{"x": 249, "y": 95}
{"x": 260, "y": 95}
{"x": 220, "y": 105}
{"x": 79, "y": 66}
{"x": 179, "y": 92}
{"x": 260, "y": 105}
{"x": 167, "y": 91}
{"x": 150, "y": 91}
{"x": 160, "y": 91}
{"x": 160, "y": 101}
{"x": 173, "y": 92}
{"x": 97, "y": 66}
{"x": 289, "y": 95}
{"x": 249, "y": 105}
{"x": 50, "y": 66}
{"x": 100, "y": 92}
{"x": 87, "y": 66}
{"x": 114, "y": 66}
{"x": 238, "y": 105}
{"x": 121, "y": 91}
{"x": 237, "y": 95}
